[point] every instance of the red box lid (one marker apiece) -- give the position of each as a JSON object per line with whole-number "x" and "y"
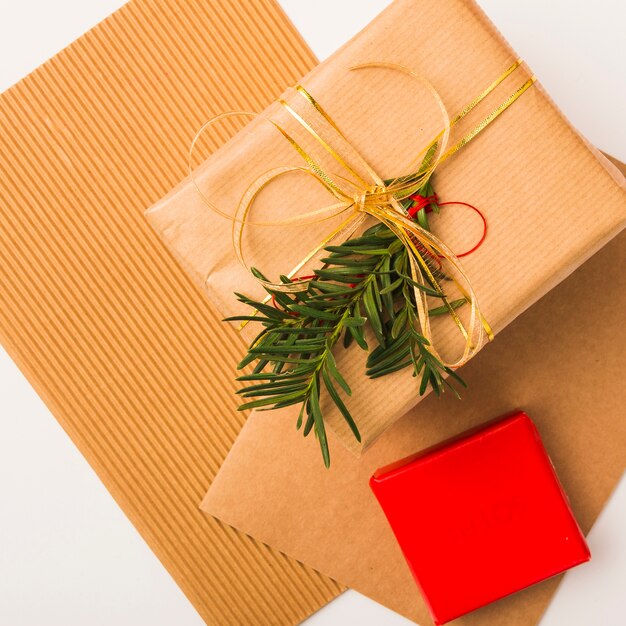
{"x": 480, "y": 517}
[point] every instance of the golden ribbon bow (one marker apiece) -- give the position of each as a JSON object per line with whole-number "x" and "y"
{"x": 359, "y": 197}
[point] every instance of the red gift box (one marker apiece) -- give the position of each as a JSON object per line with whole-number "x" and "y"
{"x": 480, "y": 517}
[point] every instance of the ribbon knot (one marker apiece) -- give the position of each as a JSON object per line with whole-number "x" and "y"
{"x": 374, "y": 196}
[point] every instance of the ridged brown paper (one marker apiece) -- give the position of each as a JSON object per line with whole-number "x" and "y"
{"x": 125, "y": 351}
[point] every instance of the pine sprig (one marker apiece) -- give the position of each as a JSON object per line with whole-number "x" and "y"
{"x": 365, "y": 283}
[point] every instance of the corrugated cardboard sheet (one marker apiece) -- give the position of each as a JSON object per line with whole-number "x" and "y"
{"x": 529, "y": 171}
{"x": 125, "y": 351}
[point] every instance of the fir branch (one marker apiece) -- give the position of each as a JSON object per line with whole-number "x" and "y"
{"x": 365, "y": 283}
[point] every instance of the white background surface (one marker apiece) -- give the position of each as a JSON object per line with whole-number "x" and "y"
{"x": 68, "y": 556}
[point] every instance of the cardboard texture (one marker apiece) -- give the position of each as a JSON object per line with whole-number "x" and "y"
{"x": 562, "y": 361}
{"x": 536, "y": 191}
{"x": 128, "y": 355}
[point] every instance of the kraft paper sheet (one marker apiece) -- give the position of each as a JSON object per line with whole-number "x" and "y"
{"x": 566, "y": 373}
{"x": 529, "y": 171}
{"x": 126, "y": 352}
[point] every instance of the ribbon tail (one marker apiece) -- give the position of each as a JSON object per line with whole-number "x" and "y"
{"x": 420, "y": 244}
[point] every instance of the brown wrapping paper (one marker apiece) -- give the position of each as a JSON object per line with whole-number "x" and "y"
{"x": 530, "y": 172}
{"x": 562, "y": 361}
{"x": 128, "y": 355}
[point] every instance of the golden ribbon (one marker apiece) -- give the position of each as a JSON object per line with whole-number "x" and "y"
{"x": 359, "y": 196}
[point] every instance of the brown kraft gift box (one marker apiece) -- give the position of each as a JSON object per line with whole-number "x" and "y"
{"x": 533, "y": 176}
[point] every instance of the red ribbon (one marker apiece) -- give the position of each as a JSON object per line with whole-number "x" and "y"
{"x": 295, "y": 279}
{"x": 422, "y": 202}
